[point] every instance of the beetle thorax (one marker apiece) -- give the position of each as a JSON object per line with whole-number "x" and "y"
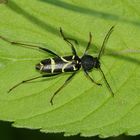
{"x": 89, "y": 62}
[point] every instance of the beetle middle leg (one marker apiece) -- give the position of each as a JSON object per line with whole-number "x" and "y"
{"x": 89, "y": 43}
{"x": 67, "y": 38}
{"x": 68, "y": 41}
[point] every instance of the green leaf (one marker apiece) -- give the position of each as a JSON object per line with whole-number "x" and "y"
{"x": 81, "y": 107}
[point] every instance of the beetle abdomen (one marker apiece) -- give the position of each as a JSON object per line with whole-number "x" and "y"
{"x": 59, "y": 64}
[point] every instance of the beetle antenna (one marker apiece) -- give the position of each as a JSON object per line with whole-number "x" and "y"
{"x": 112, "y": 93}
{"x": 105, "y": 41}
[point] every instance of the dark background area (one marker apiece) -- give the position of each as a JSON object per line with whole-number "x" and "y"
{"x": 7, "y": 132}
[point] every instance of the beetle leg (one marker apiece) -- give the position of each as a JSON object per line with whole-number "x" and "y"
{"x": 88, "y": 76}
{"x": 28, "y": 45}
{"x": 28, "y": 80}
{"x": 67, "y": 40}
{"x": 60, "y": 88}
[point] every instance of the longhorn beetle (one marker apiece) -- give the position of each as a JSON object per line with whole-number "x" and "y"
{"x": 62, "y": 64}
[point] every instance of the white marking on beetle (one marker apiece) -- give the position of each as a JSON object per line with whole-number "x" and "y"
{"x": 42, "y": 66}
{"x": 73, "y": 56}
{"x": 74, "y": 68}
{"x": 65, "y": 60}
{"x": 63, "y": 68}
{"x": 52, "y": 65}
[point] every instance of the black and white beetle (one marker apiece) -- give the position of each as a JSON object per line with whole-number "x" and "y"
{"x": 57, "y": 65}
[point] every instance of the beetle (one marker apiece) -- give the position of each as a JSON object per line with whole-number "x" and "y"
{"x": 63, "y": 64}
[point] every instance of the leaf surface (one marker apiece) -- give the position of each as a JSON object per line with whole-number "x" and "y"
{"x": 81, "y": 107}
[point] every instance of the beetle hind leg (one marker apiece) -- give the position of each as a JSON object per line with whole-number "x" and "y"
{"x": 32, "y": 79}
